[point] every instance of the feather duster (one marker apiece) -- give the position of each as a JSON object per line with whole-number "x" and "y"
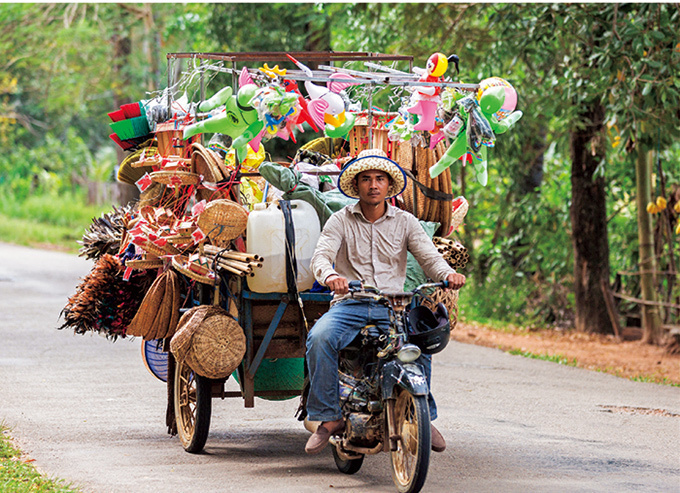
{"x": 104, "y": 302}
{"x": 105, "y": 233}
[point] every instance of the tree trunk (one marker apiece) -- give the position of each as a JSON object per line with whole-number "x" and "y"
{"x": 122, "y": 49}
{"x": 589, "y": 223}
{"x": 651, "y": 321}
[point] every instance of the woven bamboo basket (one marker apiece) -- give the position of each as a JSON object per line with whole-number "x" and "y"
{"x": 169, "y": 135}
{"x": 183, "y": 265}
{"x": 205, "y": 163}
{"x": 210, "y": 341}
{"x": 144, "y": 263}
{"x": 222, "y": 221}
{"x": 158, "y": 251}
{"x": 449, "y": 299}
{"x": 175, "y": 178}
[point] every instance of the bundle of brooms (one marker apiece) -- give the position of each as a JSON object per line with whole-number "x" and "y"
{"x": 158, "y": 314}
{"x": 453, "y": 252}
{"x": 232, "y": 261}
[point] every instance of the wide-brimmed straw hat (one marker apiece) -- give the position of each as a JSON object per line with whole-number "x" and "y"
{"x": 371, "y": 159}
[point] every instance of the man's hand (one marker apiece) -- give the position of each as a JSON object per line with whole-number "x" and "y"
{"x": 340, "y": 284}
{"x": 456, "y": 281}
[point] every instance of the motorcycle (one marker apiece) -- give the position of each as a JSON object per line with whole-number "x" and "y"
{"x": 384, "y": 391}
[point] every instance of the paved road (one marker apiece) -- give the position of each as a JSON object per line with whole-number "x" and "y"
{"x": 88, "y": 411}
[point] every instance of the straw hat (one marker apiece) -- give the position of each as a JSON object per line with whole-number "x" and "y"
{"x": 223, "y": 220}
{"x": 210, "y": 341}
{"x": 371, "y": 159}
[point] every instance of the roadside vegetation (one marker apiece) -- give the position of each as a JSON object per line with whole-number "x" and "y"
{"x": 18, "y": 475}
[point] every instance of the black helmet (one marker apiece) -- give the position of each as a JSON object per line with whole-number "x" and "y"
{"x": 429, "y": 331}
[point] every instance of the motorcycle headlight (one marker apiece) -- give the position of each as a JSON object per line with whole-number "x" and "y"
{"x": 409, "y": 353}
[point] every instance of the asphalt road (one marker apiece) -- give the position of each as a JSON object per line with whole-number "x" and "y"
{"x": 88, "y": 411}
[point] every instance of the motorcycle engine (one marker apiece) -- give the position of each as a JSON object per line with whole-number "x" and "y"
{"x": 363, "y": 430}
{"x": 353, "y": 393}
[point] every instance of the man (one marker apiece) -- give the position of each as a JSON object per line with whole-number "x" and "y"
{"x": 368, "y": 240}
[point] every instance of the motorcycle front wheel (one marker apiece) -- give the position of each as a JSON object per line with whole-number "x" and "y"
{"x": 412, "y": 458}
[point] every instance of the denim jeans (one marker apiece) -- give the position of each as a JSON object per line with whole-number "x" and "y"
{"x": 334, "y": 331}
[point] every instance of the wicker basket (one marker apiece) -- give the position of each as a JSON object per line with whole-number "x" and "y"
{"x": 210, "y": 341}
{"x": 183, "y": 265}
{"x": 150, "y": 247}
{"x": 222, "y": 221}
{"x": 175, "y": 178}
{"x": 144, "y": 263}
{"x": 205, "y": 162}
{"x": 169, "y": 135}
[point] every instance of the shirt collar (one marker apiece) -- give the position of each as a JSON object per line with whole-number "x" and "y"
{"x": 391, "y": 211}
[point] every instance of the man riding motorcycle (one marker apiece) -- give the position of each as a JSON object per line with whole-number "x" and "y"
{"x": 368, "y": 240}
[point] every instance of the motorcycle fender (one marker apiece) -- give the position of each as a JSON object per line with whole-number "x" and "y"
{"x": 406, "y": 375}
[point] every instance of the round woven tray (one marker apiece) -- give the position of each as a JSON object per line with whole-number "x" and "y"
{"x": 175, "y": 178}
{"x": 154, "y": 249}
{"x": 222, "y": 221}
{"x": 181, "y": 264}
{"x": 132, "y": 169}
{"x": 179, "y": 239}
{"x": 144, "y": 263}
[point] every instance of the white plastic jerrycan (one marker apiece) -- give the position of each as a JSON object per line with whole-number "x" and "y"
{"x": 266, "y": 237}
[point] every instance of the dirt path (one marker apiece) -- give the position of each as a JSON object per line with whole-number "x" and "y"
{"x": 628, "y": 359}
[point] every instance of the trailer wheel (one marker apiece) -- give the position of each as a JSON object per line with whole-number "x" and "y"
{"x": 193, "y": 400}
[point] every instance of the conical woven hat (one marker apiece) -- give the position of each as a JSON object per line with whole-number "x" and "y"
{"x": 371, "y": 159}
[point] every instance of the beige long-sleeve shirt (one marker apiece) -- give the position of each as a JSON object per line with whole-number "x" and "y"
{"x": 375, "y": 252}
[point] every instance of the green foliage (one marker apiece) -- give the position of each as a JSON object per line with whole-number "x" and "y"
{"x": 18, "y": 475}
{"x": 58, "y": 219}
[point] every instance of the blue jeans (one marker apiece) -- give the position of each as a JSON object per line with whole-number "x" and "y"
{"x": 334, "y": 331}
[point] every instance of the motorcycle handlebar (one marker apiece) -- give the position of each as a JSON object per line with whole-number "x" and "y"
{"x": 358, "y": 287}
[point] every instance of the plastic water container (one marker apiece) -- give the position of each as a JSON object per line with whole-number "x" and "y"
{"x": 266, "y": 236}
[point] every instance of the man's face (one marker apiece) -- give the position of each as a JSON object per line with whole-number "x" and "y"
{"x": 372, "y": 186}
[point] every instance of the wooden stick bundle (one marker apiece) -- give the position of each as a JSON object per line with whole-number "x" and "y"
{"x": 237, "y": 263}
{"x": 455, "y": 254}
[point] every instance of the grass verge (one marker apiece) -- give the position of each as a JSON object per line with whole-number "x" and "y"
{"x": 18, "y": 475}
{"x": 555, "y": 358}
{"x": 46, "y": 221}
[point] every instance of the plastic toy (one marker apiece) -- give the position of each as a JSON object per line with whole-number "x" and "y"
{"x": 326, "y": 105}
{"x": 425, "y": 98}
{"x": 239, "y": 120}
{"x": 474, "y": 128}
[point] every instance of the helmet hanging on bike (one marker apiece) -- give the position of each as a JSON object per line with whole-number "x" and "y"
{"x": 429, "y": 331}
